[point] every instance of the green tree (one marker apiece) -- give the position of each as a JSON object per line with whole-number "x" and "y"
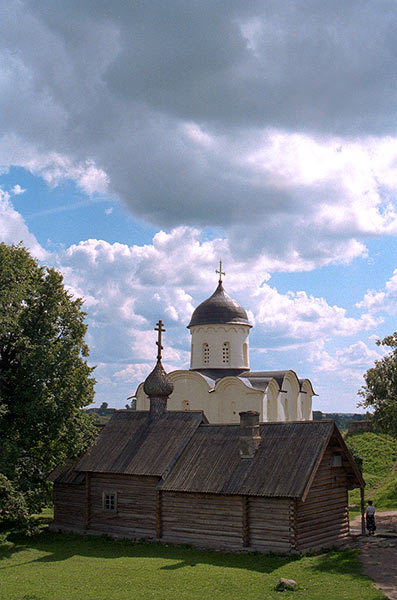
{"x": 380, "y": 390}
{"x": 45, "y": 381}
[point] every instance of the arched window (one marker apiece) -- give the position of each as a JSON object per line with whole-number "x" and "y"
{"x": 226, "y": 353}
{"x": 206, "y": 354}
{"x": 245, "y": 354}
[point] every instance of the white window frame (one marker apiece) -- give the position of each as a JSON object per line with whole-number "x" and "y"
{"x": 109, "y": 501}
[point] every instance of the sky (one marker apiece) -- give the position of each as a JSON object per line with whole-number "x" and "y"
{"x": 142, "y": 142}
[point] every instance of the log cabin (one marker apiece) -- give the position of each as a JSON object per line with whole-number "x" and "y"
{"x": 172, "y": 476}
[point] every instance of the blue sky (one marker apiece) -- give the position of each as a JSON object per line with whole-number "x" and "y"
{"x": 142, "y": 142}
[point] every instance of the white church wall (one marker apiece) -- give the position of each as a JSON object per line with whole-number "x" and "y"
{"x": 208, "y": 350}
{"x": 291, "y": 386}
{"x": 232, "y": 396}
{"x": 305, "y": 400}
{"x": 282, "y": 407}
{"x": 272, "y": 401}
{"x": 220, "y": 404}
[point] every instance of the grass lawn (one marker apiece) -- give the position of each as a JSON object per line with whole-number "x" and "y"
{"x": 52, "y": 566}
{"x": 379, "y": 453}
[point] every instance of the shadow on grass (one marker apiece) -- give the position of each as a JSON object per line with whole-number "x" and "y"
{"x": 60, "y": 547}
{"x": 339, "y": 562}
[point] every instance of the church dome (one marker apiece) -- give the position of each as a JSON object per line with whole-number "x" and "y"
{"x": 219, "y": 308}
{"x": 157, "y": 383}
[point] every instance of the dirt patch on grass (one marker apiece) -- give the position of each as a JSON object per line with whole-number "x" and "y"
{"x": 379, "y": 552}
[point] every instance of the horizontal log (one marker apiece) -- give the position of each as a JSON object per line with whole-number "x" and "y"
{"x": 265, "y": 517}
{"x": 203, "y": 496}
{"x": 270, "y": 546}
{"x": 261, "y": 503}
{"x": 196, "y": 510}
{"x": 268, "y": 528}
{"x": 264, "y": 539}
{"x": 203, "y": 533}
{"x": 321, "y": 543}
{"x": 196, "y": 521}
{"x": 322, "y": 533}
{"x": 328, "y": 500}
{"x": 202, "y": 501}
{"x": 132, "y": 531}
{"x": 321, "y": 511}
{"x": 337, "y": 521}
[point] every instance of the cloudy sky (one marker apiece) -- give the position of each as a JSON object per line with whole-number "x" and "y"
{"x": 140, "y": 142}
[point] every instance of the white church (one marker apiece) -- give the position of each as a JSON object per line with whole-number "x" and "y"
{"x": 220, "y": 382}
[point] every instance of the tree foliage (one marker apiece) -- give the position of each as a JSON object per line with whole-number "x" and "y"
{"x": 380, "y": 390}
{"x": 45, "y": 380}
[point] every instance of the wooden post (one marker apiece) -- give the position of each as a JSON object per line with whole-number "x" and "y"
{"x": 87, "y": 500}
{"x": 159, "y": 531}
{"x": 245, "y": 522}
{"x": 293, "y": 523}
{"x": 362, "y": 511}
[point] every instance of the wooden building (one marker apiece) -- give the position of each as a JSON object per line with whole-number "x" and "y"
{"x": 180, "y": 479}
{"x": 173, "y": 476}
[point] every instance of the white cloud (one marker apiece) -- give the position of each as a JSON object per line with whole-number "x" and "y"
{"x": 13, "y": 228}
{"x": 16, "y": 190}
{"x": 298, "y": 316}
{"x": 384, "y": 300}
{"x": 349, "y": 363}
{"x": 128, "y": 288}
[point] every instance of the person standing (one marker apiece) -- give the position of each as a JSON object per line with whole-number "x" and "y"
{"x": 370, "y": 518}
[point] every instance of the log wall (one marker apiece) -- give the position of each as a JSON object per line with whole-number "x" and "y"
{"x": 136, "y": 505}
{"x": 323, "y": 519}
{"x": 232, "y": 522}
{"x": 69, "y": 506}
{"x": 271, "y": 525}
{"x": 207, "y": 520}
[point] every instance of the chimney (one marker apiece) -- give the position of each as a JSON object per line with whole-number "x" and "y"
{"x": 250, "y": 438}
{"x": 157, "y": 384}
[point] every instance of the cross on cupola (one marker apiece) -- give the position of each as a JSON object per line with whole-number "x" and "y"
{"x": 220, "y": 272}
{"x": 161, "y": 330}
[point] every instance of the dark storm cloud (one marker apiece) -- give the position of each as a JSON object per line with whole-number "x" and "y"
{"x": 172, "y": 99}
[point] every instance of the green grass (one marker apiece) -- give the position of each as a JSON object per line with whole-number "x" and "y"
{"x": 379, "y": 453}
{"x": 52, "y": 566}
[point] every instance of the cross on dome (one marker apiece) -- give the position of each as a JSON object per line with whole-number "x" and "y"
{"x": 161, "y": 330}
{"x": 220, "y": 272}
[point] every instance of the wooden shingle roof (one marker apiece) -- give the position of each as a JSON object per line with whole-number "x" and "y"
{"x": 67, "y": 473}
{"x": 133, "y": 444}
{"x": 283, "y": 465}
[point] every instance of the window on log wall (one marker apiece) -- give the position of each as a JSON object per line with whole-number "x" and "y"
{"x": 109, "y": 501}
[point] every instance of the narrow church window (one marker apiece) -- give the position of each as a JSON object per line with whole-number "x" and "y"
{"x": 109, "y": 501}
{"x": 226, "y": 353}
{"x": 206, "y": 354}
{"x": 185, "y": 405}
{"x": 245, "y": 354}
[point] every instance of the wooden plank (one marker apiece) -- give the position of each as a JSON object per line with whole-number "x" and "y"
{"x": 158, "y": 514}
{"x": 87, "y": 500}
{"x": 322, "y": 542}
{"x": 323, "y": 532}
